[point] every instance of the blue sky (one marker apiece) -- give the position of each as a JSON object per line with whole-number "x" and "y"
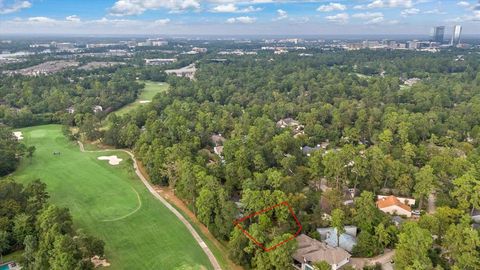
{"x": 241, "y": 17}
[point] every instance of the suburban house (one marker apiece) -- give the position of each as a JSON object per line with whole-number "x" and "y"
{"x": 407, "y": 201}
{"x": 218, "y": 150}
{"x": 311, "y": 251}
{"x": 307, "y": 150}
{"x": 394, "y": 206}
{"x": 218, "y": 140}
{"x": 292, "y": 123}
{"x": 347, "y": 240}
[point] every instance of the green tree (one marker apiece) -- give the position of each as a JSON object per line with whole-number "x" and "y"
{"x": 383, "y": 236}
{"x": 4, "y": 243}
{"x": 425, "y": 183}
{"x": 467, "y": 191}
{"x": 462, "y": 243}
{"x": 64, "y": 254}
{"x": 338, "y": 220}
{"x": 412, "y": 248}
{"x": 30, "y": 151}
{"x": 366, "y": 214}
{"x": 322, "y": 265}
{"x": 28, "y": 256}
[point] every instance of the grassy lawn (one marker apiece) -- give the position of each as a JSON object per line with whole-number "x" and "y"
{"x": 147, "y": 94}
{"x": 110, "y": 203}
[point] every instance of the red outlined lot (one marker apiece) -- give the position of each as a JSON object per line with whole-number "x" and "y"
{"x": 267, "y": 249}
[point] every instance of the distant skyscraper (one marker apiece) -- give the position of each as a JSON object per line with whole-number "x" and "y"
{"x": 437, "y": 33}
{"x": 457, "y": 32}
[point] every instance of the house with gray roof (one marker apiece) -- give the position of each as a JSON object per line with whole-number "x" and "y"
{"x": 347, "y": 240}
{"x": 311, "y": 251}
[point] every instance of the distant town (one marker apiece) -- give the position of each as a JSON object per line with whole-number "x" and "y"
{"x": 166, "y": 51}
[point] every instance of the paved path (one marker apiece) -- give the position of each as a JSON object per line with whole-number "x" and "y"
{"x": 383, "y": 259}
{"x": 189, "y": 226}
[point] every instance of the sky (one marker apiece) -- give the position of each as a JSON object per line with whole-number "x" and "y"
{"x": 237, "y": 17}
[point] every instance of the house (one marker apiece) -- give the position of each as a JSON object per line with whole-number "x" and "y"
{"x": 412, "y": 81}
{"x": 311, "y": 251}
{"x": 70, "y": 110}
{"x": 408, "y": 201}
{"x": 97, "y": 109}
{"x": 218, "y": 150}
{"x": 392, "y": 205}
{"x": 217, "y": 139}
{"x": 307, "y": 150}
{"x": 476, "y": 216}
{"x": 292, "y": 123}
{"x": 347, "y": 240}
{"x": 287, "y": 122}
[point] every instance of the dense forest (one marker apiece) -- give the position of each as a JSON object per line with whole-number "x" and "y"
{"x": 218, "y": 143}
{"x": 43, "y": 231}
{"x": 381, "y": 137}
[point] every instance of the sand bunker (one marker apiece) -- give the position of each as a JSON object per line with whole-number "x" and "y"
{"x": 18, "y": 134}
{"x": 144, "y": 101}
{"x": 112, "y": 160}
{"x": 97, "y": 262}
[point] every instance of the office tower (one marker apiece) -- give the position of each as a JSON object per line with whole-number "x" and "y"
{"x": 457, "y": 31}
{"x": 437, "y": 34}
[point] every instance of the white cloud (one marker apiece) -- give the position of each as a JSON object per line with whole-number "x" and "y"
{"x": 73, "y": 18}
{"x": 41, "y": 20}
{"x": 137, "y": 7}
{"x": 370, "y": 17}
{"x": 161, "y": 22}
{"x": 225, "y": 8}
{"x": 464, "y": 4}
{"x": 17, "y": 5}
{"x": 232, "y": 8}
{"x": 331, "y": 7}
{"x": 242, "y": 19}
{"x": 386, "y": 4}
{"x": 341, "y": 18}
{"x": 435, "y": 11}
{"x": 473, "y": 17}
{"x": 410, "y": 11}
{"x": 367, "y": 15}
{"x": 281, "y": 14}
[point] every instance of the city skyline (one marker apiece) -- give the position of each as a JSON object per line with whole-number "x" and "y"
{"x": 231, "y": 17}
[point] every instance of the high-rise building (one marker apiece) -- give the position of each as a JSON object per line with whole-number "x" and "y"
{"x": 457, "y": 32}
{"x": 438, "y": 33}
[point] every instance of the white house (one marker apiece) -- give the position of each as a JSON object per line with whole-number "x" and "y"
{"x": 393, "y": 206}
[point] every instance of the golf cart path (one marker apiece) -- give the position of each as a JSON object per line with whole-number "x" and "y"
{"x": 189, "y": 226}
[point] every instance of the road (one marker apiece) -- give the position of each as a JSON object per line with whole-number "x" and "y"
{"x": 150, "y": 188}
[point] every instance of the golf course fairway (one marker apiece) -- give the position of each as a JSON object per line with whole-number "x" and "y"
{"x": 109, "y": 202}
{"x": 146, "y": 95}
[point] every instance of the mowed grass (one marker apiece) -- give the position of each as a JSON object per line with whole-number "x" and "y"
{"x": 144, "y": 233}
{"x": 147, "y": 94}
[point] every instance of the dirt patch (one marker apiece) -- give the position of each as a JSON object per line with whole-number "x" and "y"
{"x": 112, "y": 160}
{"x": 18, "y": 134}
